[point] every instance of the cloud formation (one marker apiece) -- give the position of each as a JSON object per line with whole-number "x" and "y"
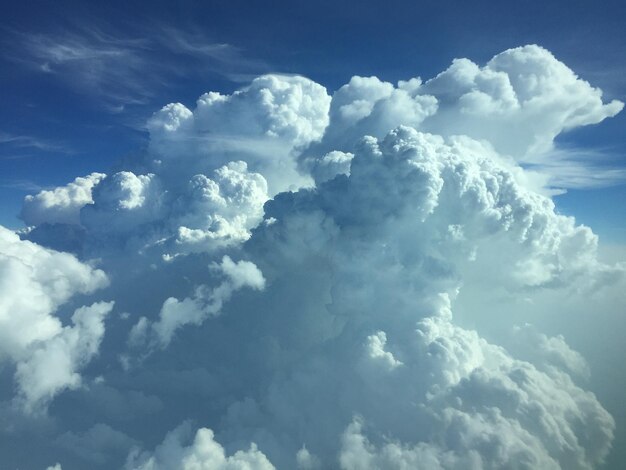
{"x": 203, "y": 453}
{"x": 61, "y": 205}
{"x": 263, "y": 124}
{"x": 35, "y": 283}
{"x": 203, "y": 304}
{"x": 519, "y": 101}
{"x": 286, "y": 267}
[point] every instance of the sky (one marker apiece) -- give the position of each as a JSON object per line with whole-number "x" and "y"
{"x": 312, "y": 235}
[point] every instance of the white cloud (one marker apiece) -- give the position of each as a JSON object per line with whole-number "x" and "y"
{"x": 519, "y": 101}
{"x": 330, "y": 165}
{"x": 152, "y": 213}
{"x": 376, "y": 350}
{"x": 61, "y": 205}
{"x": 220, "y": 211}
{"x": 263, "y": 124}
{"x": 306, "y": 461}
{"x": 206, "y": 302}
{"x": 369, "y": 106}
{"x": 415, "y": 216}
{"x": 487, "y": 411}
{"x": 52, "y": 366}
{"x": 35, "y": 282}
{"x": 547, "y": 352}
{"x": 122, "y": 202}
{"x": 203, "y": 453}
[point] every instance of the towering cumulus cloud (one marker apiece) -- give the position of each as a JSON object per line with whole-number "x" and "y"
{"x": 283, "y": 275}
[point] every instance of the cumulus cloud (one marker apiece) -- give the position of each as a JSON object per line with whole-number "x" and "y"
{"x": 52, "y": 367}
{"x": 61, "y": 205}
{"x": 369, "y": 106}
{"x": 519, "y": 101}
{"x": 35, "y": 283}
{"x": 203, "y": 453}
{"x": 287, "y": 269}
{"x": 263, "y": 124}
{"x": 144, "y": 212}
{"x": 416, "y": 215}
{"x": 223, "y": 210}
{"x": 205, "y": 303}
{"x": 330, "y": 165}
{"x": 122, "y": 202}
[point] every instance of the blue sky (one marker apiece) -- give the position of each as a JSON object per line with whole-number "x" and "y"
{"x": 80, "y": 79}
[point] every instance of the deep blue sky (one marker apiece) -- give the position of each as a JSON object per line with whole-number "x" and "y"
{"x": 75, "y": 114}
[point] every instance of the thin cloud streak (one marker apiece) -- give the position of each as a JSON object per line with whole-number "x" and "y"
{"x": 33, "y": 143}
{"x": 123, "y": 70}
{"x": 580, "y": 168}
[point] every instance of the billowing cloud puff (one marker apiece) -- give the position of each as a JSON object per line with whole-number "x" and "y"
{"x": 204, "y": 303}
{"x": 53, "y": 365}
{"x": 369, "y": 106}
{"x": 61, "y": 205}
{"x": 519, "y": 101}
{"x": 262, "y": 124}
{"x": 143, "y": 212}
{"x": 288, "y": 271}
{"x": 35, "y": 282}
{"x": 330, "y": 165}
{"x": 221, "y": 211}
{"x": 122, "y": 202}
{"x": 203, "y": 453}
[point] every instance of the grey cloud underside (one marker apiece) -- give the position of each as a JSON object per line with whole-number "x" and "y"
{"x": 282, "y": 275}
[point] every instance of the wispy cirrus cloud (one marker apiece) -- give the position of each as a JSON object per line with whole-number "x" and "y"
{"x": 579, "y": 168}
{"x": 122, "y": 69}
{"x": 18, "y": 143}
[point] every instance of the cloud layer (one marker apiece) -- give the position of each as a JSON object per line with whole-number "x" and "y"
{"x": 283, "y": 269}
